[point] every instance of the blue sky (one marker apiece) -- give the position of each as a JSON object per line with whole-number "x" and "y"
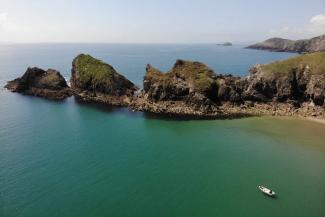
{"x": 164, "y": 21}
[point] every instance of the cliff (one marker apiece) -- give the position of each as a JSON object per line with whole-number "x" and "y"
{"x": 35, "y": 81}
{"x": 284, "y": 45}
{"x": 290, "y": 87}
{"x": 95, "y": 80}
{"x": 300, "y": 79}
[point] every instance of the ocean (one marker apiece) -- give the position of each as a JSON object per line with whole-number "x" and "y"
{"x": 70, "y": 159}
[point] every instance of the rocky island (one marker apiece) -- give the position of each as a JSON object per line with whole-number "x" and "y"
{"x": 37, "y": 82}
{"x": 225, "y": 44}
{"x": 284, "y": 45}
{"x": 293, "y": 87}
{"x": 95, "y": 81}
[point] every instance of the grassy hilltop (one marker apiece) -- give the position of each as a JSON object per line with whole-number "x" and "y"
{"x": 315, "y": 62}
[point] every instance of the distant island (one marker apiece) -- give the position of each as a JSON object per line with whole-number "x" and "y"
{"x": 293, "y": 87}
{"x": 225, "y": 44}
{"x": 285, "y": 45}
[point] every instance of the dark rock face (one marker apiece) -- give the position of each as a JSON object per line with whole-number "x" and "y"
{"x": 197, "y": 86}
{"x": 94, "y": 80}
{"x": 267, "y": 88}
{"x": 229, "y": 88}
{"x": 299, "y": 85}
{"x": 192, "y": 82}
{"x": 91, "y": 74}
{"x": 284, "y": 45}
{"x": 48, "y": 84}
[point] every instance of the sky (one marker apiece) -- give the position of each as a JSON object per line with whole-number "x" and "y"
{"x": 163, "y": 21}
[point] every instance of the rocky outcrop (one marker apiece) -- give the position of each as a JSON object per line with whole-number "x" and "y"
{"x": 291, "y": 87}
{"x": 94, "y": 80}
{"x": 284, "y": 45}
{"x": 48, "y": 84}
{"x": 299, "y": 79}
{"x": 192, "y": 82}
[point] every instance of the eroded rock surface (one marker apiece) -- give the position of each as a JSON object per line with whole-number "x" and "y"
{"x": 95, "y": 80}
{"x": 48, "y": 84}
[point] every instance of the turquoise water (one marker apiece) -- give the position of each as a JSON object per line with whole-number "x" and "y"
{"x": 70, "y": 159}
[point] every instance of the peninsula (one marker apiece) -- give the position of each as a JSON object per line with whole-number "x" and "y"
{"x": 284, "y": 45}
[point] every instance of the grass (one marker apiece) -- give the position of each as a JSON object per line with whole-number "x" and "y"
{"x": 197, "y": 73}
{"x": 93, "y": 71}
{"x": 51, "y": 77}
{"x": 315, "y": 62}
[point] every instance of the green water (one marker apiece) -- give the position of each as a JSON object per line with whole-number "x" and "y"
{"x": 71, "y": 160}
{"x": 67, "y": 159}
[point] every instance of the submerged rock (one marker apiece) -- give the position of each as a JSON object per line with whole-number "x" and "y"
{"x": 48, "y": 84}
{"x": 95, "y": 80}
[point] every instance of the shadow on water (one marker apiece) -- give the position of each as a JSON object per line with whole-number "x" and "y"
{"x": 153, "y": 116}
{"x": 128, "y": 112}
{"x": 102, "y": 107}
{"x": 175, "y": 117}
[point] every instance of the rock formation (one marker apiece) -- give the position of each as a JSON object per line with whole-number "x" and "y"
{"x": 48, "y": 84}
{"x": 294, "y": 87}
{"x": 94, "y": 80}
{"x": 284, "y": 45}
{"x": 299, "y": 79}
{"x": 191, "y": 88}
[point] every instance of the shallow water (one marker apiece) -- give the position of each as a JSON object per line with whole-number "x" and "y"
{"x": 70, "y": 159}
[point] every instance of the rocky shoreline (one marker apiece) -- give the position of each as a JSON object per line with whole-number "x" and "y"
{"x": 231, "y": 111}
{"x": 294, "y": 87}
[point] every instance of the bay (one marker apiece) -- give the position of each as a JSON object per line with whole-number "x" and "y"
{"x": 71, "y": 159}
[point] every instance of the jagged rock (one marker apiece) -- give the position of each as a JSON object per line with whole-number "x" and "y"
{"x": 48, "y": 84}
{"x": 193, "y": 88}
{"x": 300, "y": 78}
{"x": 192, "y": 82}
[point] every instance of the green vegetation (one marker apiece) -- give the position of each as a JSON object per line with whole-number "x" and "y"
{"x": 93, "y": 71}
{"x": 315, "y": 62}
{"x": 196, "y": 73}
{"x": 51, "y": 77}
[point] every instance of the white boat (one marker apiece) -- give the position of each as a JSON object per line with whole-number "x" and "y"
{"x": 267, "y": 191}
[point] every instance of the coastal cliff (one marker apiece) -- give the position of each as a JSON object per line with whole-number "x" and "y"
{"x": 48, "y": 84}
{"x": 284, "y": 45}
{"x": 292, "y": 87}
{"x": 189, "y": 88}
{"x": 96, "y": 81}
